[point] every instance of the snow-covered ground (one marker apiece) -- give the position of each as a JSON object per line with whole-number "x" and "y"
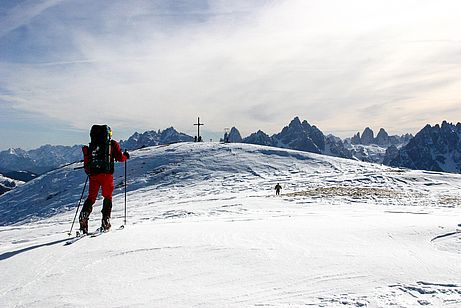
{"x": 205, "y": 229}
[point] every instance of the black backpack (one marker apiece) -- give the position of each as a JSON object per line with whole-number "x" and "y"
{"x": 99, "y": 154}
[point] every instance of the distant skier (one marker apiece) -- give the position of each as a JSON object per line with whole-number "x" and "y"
{"x": 98, "y": 160}
{"x": 277, "y": 189}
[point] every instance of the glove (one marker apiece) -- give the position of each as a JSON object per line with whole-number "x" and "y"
{"x": 127, "y": 155}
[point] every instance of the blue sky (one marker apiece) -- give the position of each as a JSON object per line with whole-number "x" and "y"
{"x": 139, "y": 65}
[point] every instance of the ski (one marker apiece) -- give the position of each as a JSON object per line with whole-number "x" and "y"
{"x": 99, "y": 231}
{"x": 78, "y": 236}
{"x": 96, "y": 233}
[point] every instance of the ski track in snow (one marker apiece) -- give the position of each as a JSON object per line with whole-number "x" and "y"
{"x": 205, "y": 230}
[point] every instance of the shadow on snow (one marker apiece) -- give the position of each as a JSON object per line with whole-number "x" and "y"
{"x": 9, "y": 254}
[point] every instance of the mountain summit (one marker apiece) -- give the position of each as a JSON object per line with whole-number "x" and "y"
{"x": 303, "y": 137}
{"x": 300, "y": 136}
{"x": 151, "y": 138}
{"x": 382, "y": 139}
{"x": 436, "y": 148}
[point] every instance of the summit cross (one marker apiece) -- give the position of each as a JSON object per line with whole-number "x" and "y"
{"x": 198, "y": 129}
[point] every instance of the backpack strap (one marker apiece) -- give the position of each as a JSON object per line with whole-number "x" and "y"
{"x": 85, "y": 159}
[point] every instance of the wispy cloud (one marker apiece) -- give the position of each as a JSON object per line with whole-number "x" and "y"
{"x": 151, "y": 64}
{"x": 22, "y": 13}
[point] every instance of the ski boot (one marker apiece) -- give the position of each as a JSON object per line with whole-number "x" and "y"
{"x": 83, "y": 219}
{"x": 105, "y": 224}
{"x": 106, "y": 211}
{"x": 84, "y": 216}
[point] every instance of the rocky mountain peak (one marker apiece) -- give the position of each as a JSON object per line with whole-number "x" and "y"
{"x": 382, "y": 138}
{"x": 152, "y": 138}
{"x": 367, "y": 136}
{"x": 295, "y": 122}
{"x": 382, "y": 132}
{"x": 260, "y": 138}
{"x": 234, "y": 135}
{"x": 436, "y": 148}
{"x": 356, "y": 139}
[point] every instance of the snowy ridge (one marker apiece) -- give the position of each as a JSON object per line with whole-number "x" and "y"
{"x": 205, "y": 229}
{"x": 9, "y": 181}
{"x": 7, "y": 184}
{"x": 225, "y": 168}
{"x": 369, "y": 153}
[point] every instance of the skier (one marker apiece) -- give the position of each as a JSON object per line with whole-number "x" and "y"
{"x": 98, "y": 160}
{"x": 277, "y": 189}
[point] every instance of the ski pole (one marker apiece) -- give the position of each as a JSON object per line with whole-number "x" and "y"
{"x": 79, "y": 201}
{"x": 125, "y": 193}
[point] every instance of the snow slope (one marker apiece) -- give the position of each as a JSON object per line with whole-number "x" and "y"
{"x": 7, "y": 184}
{"x": 204, "y": 229}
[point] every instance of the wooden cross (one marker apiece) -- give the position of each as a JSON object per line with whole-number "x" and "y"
{"x": 198, "y": 129}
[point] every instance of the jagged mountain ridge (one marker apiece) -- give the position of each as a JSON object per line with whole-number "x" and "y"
{"x": 259, "y": 138}
{"x": 152, "y": 138}
{"x": 300, "y": 136}
{"x": 382, "y": 139}
{"x": 367, "y": 147}
{"x": 303, "y": 137}
{"x": 40, "y": 160}
{"x": 436, "y": 148}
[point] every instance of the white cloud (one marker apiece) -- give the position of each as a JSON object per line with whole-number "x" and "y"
{"x": 342, "y": 65}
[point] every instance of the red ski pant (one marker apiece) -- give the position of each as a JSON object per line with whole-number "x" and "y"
{"x": 104, "y": 181}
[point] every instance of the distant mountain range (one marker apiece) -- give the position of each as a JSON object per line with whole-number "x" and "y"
{"x": 19, "y": 164}
{"x": 303, "y": 137}
{"x": 367, "y": 147}
{"x": 435, "y": 148}
{"x": 382, "y": 138}
{"x": 152, "y": 138}
{"x": 40, "y": 160}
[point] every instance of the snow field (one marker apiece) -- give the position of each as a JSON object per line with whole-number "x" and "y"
{"x": 204, "y": 229}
